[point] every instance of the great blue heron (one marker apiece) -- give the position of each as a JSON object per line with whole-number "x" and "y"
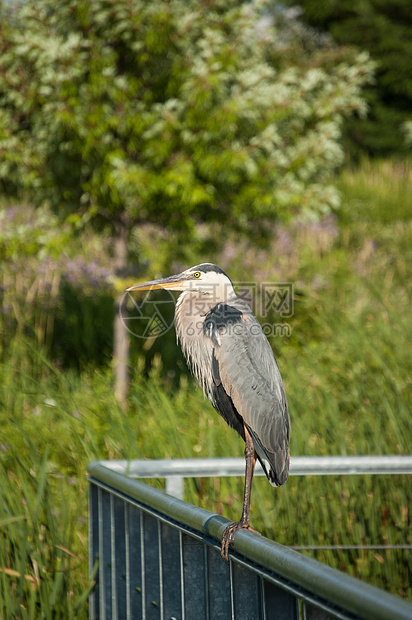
{"x": 231, "y": 358}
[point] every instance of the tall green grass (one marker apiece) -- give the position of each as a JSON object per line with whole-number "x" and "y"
{"x": 346, "y": 369}
{"x": 40, "y": 574}
{"x": 378, "y": 190}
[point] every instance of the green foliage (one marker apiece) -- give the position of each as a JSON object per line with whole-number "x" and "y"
{"x": 378, "y": 191}
{"x": 39, "y": 573}
{"x": 30, "y": 244}
{"x": 346, "y": 368}
{"x": 58, "y": 295}
{"x": 171, "y": 113}
{"x": 383, "y": 29}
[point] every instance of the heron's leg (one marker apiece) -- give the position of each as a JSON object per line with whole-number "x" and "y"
{"x": 230, "y": 531}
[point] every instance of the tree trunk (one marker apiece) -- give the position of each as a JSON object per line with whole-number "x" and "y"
{"x": 121, "y": 339}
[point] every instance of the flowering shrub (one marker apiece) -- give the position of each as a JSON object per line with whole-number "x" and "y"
{"x": 171, "y": 113}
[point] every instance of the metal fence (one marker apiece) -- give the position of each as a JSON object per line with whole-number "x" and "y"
{"x": 158, "y": 557}
{"x": 175, "y": 470}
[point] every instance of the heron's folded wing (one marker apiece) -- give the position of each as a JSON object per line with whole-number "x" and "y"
{"x": 249, "y": 374}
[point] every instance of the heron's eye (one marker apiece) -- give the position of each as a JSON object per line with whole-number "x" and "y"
{"x": 197, "y": 274}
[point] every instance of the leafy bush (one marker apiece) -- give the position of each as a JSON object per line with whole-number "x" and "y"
{"x": 56, "y": 294}
{"x": 383, "y": 29}
{"x": 172, "y": 113}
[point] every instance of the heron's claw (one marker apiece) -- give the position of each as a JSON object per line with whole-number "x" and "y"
{"x": 229, "y": 534}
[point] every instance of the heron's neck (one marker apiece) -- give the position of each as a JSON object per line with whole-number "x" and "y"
{"x": 191, "y": 309}
{"x": 194, "y": 305}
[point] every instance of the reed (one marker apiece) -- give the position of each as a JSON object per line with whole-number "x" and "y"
{"x": 346, "y": 367}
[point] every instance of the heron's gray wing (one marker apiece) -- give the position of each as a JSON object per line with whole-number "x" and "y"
{"x": 243, "y": 365}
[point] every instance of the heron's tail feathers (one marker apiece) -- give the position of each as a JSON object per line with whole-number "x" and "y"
{"x": 278, "y": 474}
{"x": 274, "y": 464}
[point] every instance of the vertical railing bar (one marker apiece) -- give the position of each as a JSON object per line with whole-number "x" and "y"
{"x": 102, "y": 588}
{"x": 160, "y": 561}
{"x": 288, "y": 587}
{"x": 127, "y": 553}
{"x": 182, "y": 575}
{"x": 142, "y": 564}
{"x": 206, "y": 585}
{"x": 113, "y": 558}
{"x": 175, "y": 486}
{"x": 232, "y": 593}
{"x": 263, "y": 597}
{"x": 304, "y": 611}
{"x": 92, "y": 597}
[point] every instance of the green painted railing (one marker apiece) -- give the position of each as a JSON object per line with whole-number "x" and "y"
{"x": 158, "y": 557}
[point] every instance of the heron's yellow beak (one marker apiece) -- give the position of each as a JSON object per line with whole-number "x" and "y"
{"x": 178, "y": 282}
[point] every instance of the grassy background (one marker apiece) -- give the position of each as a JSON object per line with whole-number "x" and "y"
{"x": 346, "y": 369}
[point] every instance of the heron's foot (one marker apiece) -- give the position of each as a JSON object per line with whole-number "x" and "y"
{"x": 229, "y": 534}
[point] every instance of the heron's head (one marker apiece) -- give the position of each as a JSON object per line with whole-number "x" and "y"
{"x": 205, "y": 278}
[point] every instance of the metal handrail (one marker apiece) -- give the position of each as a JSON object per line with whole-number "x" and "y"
{"x": 340, "y": 595}
{"x": 174, "y": 470}
{"x": 299, "y": 466}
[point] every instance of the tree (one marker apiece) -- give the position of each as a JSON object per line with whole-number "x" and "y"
{"x": 173, "y": 113}
{"x": 384, "y": 29}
